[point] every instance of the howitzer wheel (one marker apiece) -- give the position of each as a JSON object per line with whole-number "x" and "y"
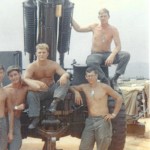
{"x": 118, "y": 127}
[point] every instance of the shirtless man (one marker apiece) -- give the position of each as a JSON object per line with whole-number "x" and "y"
{"x": 101, "y": 54}
{"x": 43, "y": 70}
{"x": 17, "y": 89}
{"x": 98, "y": 125}
{"x": 5, "y": 101}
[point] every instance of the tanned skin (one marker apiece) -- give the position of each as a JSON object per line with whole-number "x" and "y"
{"x": 41, "y": 72}
{"x": 97, "y": 97}
{"x": 103, "y": 35}
{"x": 6, "y": 105}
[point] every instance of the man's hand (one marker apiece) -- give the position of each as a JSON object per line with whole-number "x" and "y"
{"x": 63, "y": 80}
{"x": 43, "y": 86}
{"x": 21, "y": 107}
{"x": 110, "y": 60}
{"x": 109, "y": 117}
{"x": 78, "y": 98}
{"x": 10, "y": 137}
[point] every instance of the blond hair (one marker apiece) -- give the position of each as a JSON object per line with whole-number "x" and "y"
{"x": 42, "y": 46}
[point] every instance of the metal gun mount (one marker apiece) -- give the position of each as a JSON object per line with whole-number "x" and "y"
{"x": 47, "y": 21}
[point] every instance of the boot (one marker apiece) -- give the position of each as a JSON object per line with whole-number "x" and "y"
{"x": 34, "y": 123}
{"x": 53, "y": 105}
{"x": 115, "y": 85}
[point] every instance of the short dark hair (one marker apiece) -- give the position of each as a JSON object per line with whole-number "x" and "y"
{"x": 13, "y": 68}
{"x": 105, "y": 10}
{"x": 92, "y": 68}
{"x": 2, "y": 67}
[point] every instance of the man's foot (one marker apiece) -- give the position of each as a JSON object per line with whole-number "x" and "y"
{"x": 53, "y": 105}
{"x": 115, "y": 85}
{"x": 34, "y": 123}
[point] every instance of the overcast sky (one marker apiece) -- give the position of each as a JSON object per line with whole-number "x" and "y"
{"x": 131, "y": 17}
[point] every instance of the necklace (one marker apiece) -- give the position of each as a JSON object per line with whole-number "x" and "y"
{"x": 92, "y": 93}
{"x": 103, "y": 38}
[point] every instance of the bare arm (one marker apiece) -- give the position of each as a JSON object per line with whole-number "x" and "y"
{"x": 117, "y": 97}
{"x": 64, "y": 76}
{"x": 118, "y": 103}
{"x": 78, "y": 28}
{"x": 11, "y": 118}
{"x": 117, "y": 42}
{"x": 76, "y": 90}
{"x": 117, "y": 48}
{"x": 34, "y": 85}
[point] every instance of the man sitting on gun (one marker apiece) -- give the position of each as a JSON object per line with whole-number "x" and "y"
{"x": 101, "y": 54}
{"x": 41, "y": 73}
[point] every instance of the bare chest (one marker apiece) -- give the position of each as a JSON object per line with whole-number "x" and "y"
{"x": 43, "y": 72}
{"x": 96, "y": 94}
{"x": 102, "y": 35}
{"x": 18, "y": 95}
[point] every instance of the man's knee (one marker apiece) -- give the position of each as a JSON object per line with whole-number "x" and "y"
{"x": 93, "y": 59}
{"x": 126, "y": 56}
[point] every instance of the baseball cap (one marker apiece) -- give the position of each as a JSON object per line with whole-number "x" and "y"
{"x": 13, "y": 68}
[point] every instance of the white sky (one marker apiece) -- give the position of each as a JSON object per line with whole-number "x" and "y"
{"x": 131, "y": 17}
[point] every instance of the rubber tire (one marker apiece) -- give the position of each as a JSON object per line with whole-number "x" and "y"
{"x": 118, "y": 127}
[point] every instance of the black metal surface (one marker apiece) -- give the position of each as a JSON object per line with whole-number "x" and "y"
{"x": 47, "y": 26}
{"x": 65, "y": 27}
{"x": 79, "y": 74}
{"x": 8, "y": 58}
{"x": 30, "y": 27}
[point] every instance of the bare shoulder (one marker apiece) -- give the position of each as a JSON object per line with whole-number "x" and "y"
{"x": 113, "y": 29}
{"x": 51, "y": 62}
{"x": 8, "y": 86}
{"x": 94, "y": 25}
{"x": 32, "y": 65}
{"x": 8, "y": 90}
{"x": 105, "y": 86}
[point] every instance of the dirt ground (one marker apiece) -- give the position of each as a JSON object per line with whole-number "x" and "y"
{"x": 133, "y": 142}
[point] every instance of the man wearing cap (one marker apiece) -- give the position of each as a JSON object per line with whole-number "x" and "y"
{"x": 43, "y": 70}
{"x": 17, "y": 89}
{"x": 5, "y": 105}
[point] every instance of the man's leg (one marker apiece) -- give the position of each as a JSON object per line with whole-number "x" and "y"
{"x": 96, "y": 60}
{"x": 34, "y": 100}
{"x": 3, "y": 134}
{"x": 59, "y": 94}
{"x": 122, "y": 59}
{"x": 103, "y": 134}
{"x": 17, "y": 141}
{"x": 88, "y": 137}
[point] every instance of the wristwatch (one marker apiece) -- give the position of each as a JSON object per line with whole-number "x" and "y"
{"x": 113, "y": 114}
{"x": 16, "y": 107}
